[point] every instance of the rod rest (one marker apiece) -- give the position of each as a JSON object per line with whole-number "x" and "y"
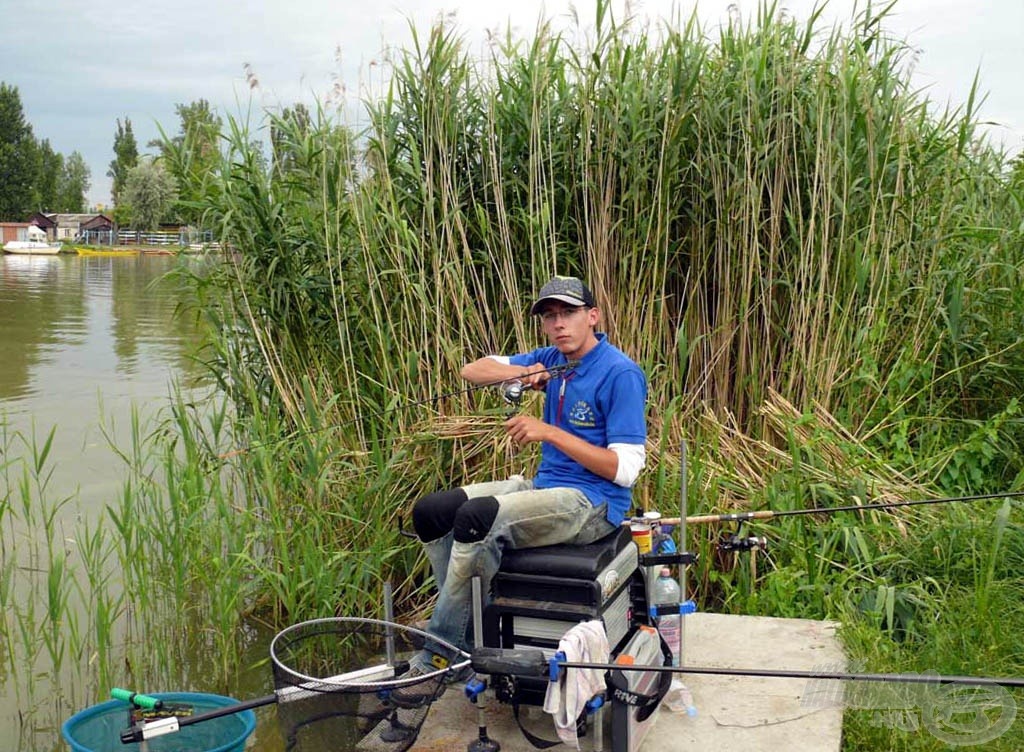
{"x": 677, "y": 557}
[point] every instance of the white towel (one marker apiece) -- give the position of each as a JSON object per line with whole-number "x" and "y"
{"x": 566, "y": 698}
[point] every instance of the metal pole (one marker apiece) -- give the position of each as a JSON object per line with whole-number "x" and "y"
{"x": 389, "y": 617}
{"x": 682, "y": 547}
{"x": 483, "y": 743}
{"x": 478, "y": 615}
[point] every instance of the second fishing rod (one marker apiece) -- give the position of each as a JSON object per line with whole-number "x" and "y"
{"x": 736, "y": 540}
{"x": 768, "y": 514}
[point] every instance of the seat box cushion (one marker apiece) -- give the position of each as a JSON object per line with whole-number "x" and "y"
{"x": 575, "y": 562}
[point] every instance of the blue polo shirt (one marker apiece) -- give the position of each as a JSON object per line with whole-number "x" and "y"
{"x": 602, "y": 401}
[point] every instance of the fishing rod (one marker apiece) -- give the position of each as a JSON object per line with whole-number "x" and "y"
{"x": 531, "y": 662}
{"x": 513, "y": 394}
{"x": 934, "y": 679}
{"x": 768, "y": 514}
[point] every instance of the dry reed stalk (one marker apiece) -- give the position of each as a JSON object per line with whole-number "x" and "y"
{"x": 747, "y": 465}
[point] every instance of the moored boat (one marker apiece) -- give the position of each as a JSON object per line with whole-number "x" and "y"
{"x": 35, "y": 244}
{"x": 84, "y": 251}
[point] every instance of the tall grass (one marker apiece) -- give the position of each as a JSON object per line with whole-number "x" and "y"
{"x": 814, "y": 266}
{"x": 770, "y": 211}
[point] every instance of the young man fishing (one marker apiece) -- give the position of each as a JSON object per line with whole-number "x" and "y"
{"x": 592, "y": 449}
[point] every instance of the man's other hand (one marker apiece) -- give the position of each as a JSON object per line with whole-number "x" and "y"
{"x": 525, "y": 428}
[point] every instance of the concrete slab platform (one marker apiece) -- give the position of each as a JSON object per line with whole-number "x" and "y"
{"x": 734, "y": 713}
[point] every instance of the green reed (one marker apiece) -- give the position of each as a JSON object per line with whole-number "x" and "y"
{"x": 772, "y": 210}
{"x": 41, "y": 633}
{"x": 106, "y": 599}
{"x": 751, "y": 211}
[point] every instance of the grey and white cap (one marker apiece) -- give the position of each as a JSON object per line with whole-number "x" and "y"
{"x": 570, "y": 290}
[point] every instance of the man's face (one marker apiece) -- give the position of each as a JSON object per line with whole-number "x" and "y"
{"x": 570, "y": 328}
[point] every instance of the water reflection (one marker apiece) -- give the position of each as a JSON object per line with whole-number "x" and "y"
{"x": 84, "y": 340}
{"x": 35, "y": 318}
{"x": 72, "y": 323}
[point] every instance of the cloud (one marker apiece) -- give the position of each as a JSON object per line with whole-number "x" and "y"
{"x": 128, "y": 58}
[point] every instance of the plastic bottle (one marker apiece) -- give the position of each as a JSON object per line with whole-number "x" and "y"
{"x": 679, "y": 699}
{"x": 666, "y": 591}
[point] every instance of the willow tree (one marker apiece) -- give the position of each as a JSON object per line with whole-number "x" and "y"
{"x": 149, "y": 191}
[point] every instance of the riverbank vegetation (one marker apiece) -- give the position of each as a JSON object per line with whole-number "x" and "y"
{"x": 818, "y": 269}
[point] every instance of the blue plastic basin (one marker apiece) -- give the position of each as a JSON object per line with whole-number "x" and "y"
{"x": 98, "y": 728}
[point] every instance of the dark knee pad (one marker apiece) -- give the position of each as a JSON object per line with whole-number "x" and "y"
{"x": 434, "y": 514}
{"x": 473, "y": 520}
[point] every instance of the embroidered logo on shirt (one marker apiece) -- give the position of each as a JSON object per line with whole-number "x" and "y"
{"x": 581, "y": 415}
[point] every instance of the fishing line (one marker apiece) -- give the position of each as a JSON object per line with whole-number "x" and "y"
{"x": 514, "y": 394}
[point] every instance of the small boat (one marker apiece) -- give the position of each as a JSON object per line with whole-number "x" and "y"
{"x": 36, "y": 244}
{"x": 83, "y": 251}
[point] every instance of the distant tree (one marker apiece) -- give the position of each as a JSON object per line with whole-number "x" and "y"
{"x": 192, "y": 155}
{"x": 18, "y": 157}
{"x": 122, "y": 214}
{"x": 32, "y": 160}
{"x": 51, "y": 174}
{"x": 126, "y": 156}
{"x": 150, "y": 191}
{"x": 200, "y": 129}
{"x": 74, "y": 184}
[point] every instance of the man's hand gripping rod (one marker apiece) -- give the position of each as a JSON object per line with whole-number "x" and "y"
{"x": 513, "y": 392}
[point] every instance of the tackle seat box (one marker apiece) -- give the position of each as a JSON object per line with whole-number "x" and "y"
{"x": 538, "y": 594}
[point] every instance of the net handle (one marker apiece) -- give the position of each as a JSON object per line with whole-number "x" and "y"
{"x": 148, "y": 730}
{"x": 146, "y": 702}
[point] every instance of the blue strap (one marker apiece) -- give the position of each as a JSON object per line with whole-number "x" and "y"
{"x": 667, "y": 609}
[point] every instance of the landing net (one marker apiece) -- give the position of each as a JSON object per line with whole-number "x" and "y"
{"x": 344, "y": 684}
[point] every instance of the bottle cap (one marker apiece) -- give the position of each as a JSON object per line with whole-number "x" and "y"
{"x": 666, "y": 572}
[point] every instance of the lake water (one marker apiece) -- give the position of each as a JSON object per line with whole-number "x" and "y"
{"x": 84, "y": 342}
{"x": 82, "y": 339}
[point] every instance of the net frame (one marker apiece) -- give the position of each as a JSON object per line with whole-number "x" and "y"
{"x": 364, "y": 705}
{"x": 358, "y": 680}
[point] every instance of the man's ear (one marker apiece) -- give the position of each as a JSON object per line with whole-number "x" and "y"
{"x": 593, "y": 316}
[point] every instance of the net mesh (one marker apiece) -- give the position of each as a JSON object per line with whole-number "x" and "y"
{"x": 345, "y": 684}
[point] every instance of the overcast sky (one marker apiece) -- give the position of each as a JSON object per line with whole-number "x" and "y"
{"x": 79, "y": 66}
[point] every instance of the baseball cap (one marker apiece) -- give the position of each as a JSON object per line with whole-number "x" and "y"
{"x": 566, "y": 289}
